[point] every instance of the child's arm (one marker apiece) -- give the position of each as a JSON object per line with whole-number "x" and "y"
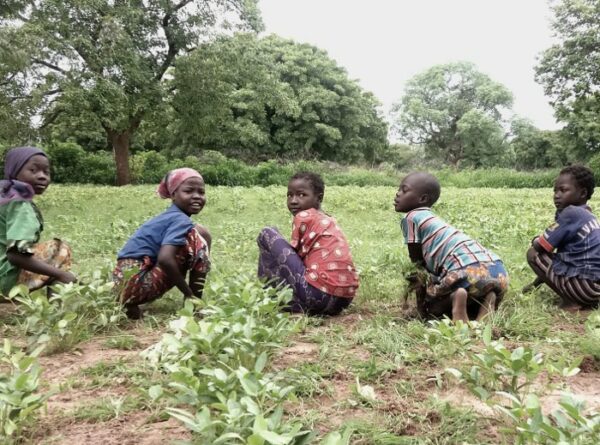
{"x": 30, "y": 263}
{"x": 415, "y": 252}
{"x": 167, "y": 262}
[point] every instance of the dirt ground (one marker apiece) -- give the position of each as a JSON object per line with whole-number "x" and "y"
{"x": 336, "y": 404}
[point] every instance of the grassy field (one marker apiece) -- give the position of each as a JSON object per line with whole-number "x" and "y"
{"x": 374, "y": 375}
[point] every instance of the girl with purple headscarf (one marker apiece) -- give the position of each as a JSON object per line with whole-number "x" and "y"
{"x": 161, "y": 252}
{"x": 23, "y": 260}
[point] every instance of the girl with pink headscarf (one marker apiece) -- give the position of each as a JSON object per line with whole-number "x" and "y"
{"x": 164, "y": 249}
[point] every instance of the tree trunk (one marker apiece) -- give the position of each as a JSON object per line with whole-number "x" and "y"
{"x": 120, "y": 146}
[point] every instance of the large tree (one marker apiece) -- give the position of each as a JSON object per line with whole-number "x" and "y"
{"x": 455, "y": 112}
{"x": 272, "y": 97}
{"x": 570, "y": 71}
{"x": 109, "y": 59}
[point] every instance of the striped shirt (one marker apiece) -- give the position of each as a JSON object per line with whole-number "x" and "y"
{"x": 444, "y": 247}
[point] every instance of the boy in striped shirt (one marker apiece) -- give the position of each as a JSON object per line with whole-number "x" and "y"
{"x": 464, "y": 277}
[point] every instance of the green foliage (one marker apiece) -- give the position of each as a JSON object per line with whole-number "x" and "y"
{"x": 19, "y": 396}
{"x": 259, "y": 98}
{"x": 105, "y": 62}
{"x": 455, "y": 112}
{"x": 498, "y": 369}
{"x": 72, "y": 313}
{"x": 569, "y": 71}
{"x": 565, "y": 425}
{"x": 218, "y": 365}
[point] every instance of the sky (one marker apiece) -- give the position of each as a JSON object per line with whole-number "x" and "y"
{"x": 383, "y": 43}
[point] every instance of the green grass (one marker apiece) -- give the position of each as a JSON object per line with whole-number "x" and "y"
{"x": 375, "y": 343}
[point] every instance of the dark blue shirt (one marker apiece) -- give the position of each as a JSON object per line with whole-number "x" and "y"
{"x": 576, "y": 238}
{"x": 170, "y": 227}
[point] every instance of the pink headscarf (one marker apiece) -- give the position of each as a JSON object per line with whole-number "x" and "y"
{"x": 173, "y": 179}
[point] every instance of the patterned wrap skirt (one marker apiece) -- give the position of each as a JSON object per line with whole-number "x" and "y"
{"x": 139, "y": 280}
{"x": 477, "y": 279}
{"x": 54, "y": 252}
{"x": 572, "y": 290}
{"x": 279, "y": 263}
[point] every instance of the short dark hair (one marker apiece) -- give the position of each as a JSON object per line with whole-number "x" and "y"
{"x": 315, "y": 180}
{"x": 583, "y": 176}
{"x": 428, "y": 185}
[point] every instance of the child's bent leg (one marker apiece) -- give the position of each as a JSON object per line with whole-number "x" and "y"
{"x": 459, "y": 305}
{"x": 195, "y": 257}
{"x": 488, "y": 306}
{"x": 56, "y": 253}
{"x": 279, "y": 262}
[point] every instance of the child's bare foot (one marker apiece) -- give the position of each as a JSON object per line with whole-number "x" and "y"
{"x": 487, "y": 307}
{"x": 459, "y": 305}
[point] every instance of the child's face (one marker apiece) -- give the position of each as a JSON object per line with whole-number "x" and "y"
{"x": 36, "y": 172}
{"x": 567, "y": 192}
{"x": 409, "y": 195}
{"x": 190, "y": 196}
{"x": 301, "y": 196}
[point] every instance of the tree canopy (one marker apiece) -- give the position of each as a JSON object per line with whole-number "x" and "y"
{"x": 107, "y": 59}
{"x": 455, "y": 112}
{"x": 570, "y": 71}
{"x": 272, "y": 97}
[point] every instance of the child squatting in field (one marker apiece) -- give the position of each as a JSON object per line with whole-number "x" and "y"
{"x": 463, "y": 277}
{"x": 23, "y": 259}
{"x": 567, "y": 255}
{"x": 317, "y": 263}
{"x": 162, "y": 251}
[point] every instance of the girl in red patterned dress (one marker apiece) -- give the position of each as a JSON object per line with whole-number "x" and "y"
{"x": 317, "y": 263}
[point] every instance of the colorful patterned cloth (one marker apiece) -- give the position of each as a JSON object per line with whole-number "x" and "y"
{"x": 478, "y": 279}
{"x": 56, "y": 253}
{"x": 139, "y": 280}
{"x": 323, "y": 248}
{"x": 279, "y": 263}
{"x": 173, "y": 179}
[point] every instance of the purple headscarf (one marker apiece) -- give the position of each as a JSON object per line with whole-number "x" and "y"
{"x": 10, "y": 188}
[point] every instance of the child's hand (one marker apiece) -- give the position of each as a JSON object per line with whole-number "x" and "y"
{"x": 66, "y": 277}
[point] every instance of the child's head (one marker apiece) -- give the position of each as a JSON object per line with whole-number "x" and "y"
{"x": 574, "y": 186}
{"x": 185, "y": 187}
{"x": 305, "y": 191}
{"x": 417, "y": 189}
{"x": 29, "y": 165}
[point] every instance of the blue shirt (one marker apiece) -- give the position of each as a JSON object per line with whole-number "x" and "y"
{"x": 576, "y": 238}
{"x": 444, "y": 247}
{"x": 169, "y": 228}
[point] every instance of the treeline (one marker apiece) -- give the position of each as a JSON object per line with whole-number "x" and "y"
{"x": 153, "y": 81}
{"x": 71, "y": 164}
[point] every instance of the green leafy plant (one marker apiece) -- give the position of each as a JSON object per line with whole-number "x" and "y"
{"x": 19, "y": 395}
{"x": 72, "y": 313}
{"x": 217, "y": 365}
{"x": 566, "y": 425}
{"x": 500, "y": 369}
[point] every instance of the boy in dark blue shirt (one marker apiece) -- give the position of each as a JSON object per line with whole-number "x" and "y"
{"x": 567, "y": 255}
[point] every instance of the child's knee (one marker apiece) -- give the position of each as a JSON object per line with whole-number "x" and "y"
{"x": 203, "y": 231}
{"x": 532, "y": 256}
{"x": 266, "y": 234}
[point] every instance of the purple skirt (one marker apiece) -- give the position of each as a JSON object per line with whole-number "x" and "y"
{"x": 279, "y": 263}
